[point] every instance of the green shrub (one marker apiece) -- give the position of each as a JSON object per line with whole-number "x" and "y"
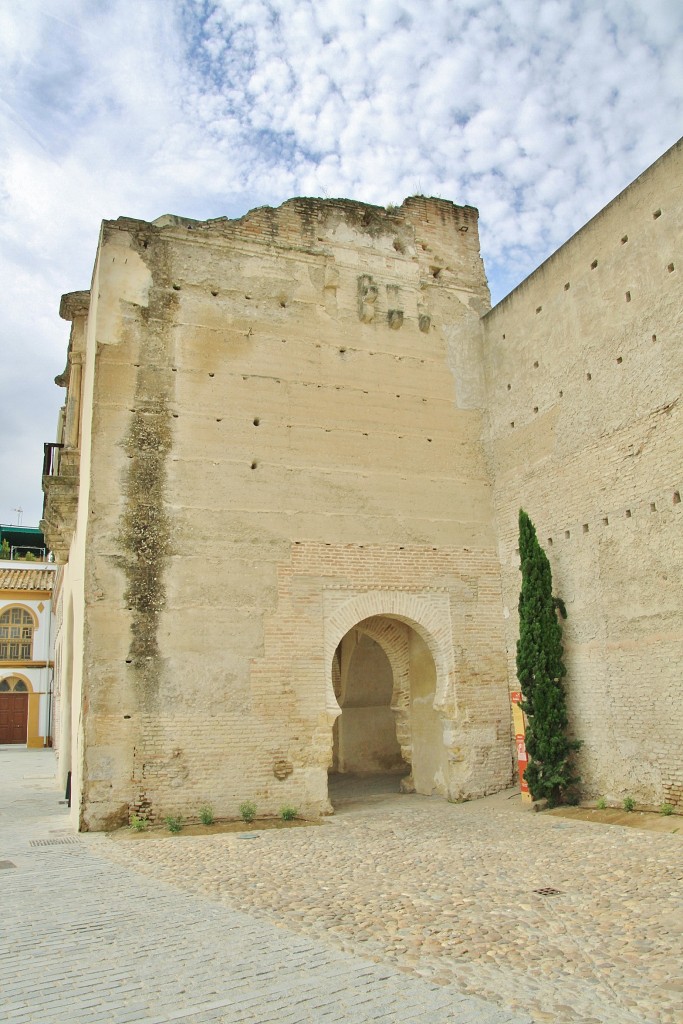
{"x": 288, "y": 813}
{"x": 540, "y": 671}
{"x": 247, "y": 811}
{"x": 629, "y": 803}
{"x": 601, "y": 804}
{"x": 173, "y": 822}
{"x": 666, "y": 810}
{"x": 206, "y": 815}
{"x": 138, "y": 823}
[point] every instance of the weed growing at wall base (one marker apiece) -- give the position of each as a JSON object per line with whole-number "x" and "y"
{"x": 206, "y": 815}
{"x": 138, "y": 823}
{"x": 288, "y": 813}
{"x": 247, "y": 811}
{"x": 629, "y": 803}
{"x": 174, "y": 823}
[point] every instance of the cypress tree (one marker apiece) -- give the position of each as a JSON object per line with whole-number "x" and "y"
{"x": 540, "y": 671}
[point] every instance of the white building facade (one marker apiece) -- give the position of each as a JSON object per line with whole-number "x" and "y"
{"x": 26, "y": 653}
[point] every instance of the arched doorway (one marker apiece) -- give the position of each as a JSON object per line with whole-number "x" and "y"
{"x": 364, "y": 736}
{"x": 14, "y": 693}
{"x": 385, "y": 684}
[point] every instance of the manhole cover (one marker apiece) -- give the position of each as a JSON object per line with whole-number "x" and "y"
{"x": 65, "y": 841}
{"x": 6, "y": 864}
{"x": 548, "y": 891}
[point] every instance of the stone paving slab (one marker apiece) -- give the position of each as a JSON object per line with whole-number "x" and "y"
{"x": 85, "y": 939}
{"x": 449, "y": 893}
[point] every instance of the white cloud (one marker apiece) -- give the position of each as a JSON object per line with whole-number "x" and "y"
{"x": 537, "y": 111}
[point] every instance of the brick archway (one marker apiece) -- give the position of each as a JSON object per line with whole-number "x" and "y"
{"x": 388, "y": 617}
{"x": 428, "y": 614}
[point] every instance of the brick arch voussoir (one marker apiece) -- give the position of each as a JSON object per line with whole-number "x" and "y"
{"x": 428, "y": 615}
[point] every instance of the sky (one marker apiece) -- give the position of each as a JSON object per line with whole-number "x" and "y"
{"x": 537, "y": 112}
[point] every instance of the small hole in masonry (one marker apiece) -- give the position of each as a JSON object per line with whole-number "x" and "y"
{"x": 628, "y": 513}
{"x": 671, "y": 268}
{"x": 619, "y": 360}
{"x": 657, "y": 214}
{"x": 256, "y": 421}
{"x": 677, "y": 497}
{"x": 654, "y": 337}
{"x": 589, "y": 376}
{"x": 567, "y": 286}
{"x": 653, "y": 507}
{"x": 512, "y": 423}
{"x": 624, "y": 239}
{"x": 594, "y": 264}
{"x": 550, "y": 541}
{"x": 214, "y": 293}
{"x": 567, "y": 534}
{"x": 605, "y": 521}
{"x": 509, "y": 387}
{"x": 539, "y": 308}
{"x": 535, "y": 408}
{"x": 585, "y": 527}
{"x": 254, "y": 464}
{"x": 628, "y": 296}
{"x": 536, "y": 364}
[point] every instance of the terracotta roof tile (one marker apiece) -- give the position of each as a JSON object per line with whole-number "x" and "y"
{"x": 26, "y": 579}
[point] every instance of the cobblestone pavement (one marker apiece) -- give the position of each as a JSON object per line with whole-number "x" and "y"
{"x": 84, "y": 939}
{"x": 451, "y": 893}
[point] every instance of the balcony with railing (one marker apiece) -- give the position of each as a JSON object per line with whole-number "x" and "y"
{"x": 60, "y": 502}
{"x": 61, "y": 459}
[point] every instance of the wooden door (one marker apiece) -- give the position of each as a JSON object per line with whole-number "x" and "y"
{"x": 13, "y": 717}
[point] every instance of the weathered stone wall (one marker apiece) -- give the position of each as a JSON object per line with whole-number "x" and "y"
{"x": 287, "y": 427}
{"x": 286, "y": 433}
{"x": 584, "y": 369}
